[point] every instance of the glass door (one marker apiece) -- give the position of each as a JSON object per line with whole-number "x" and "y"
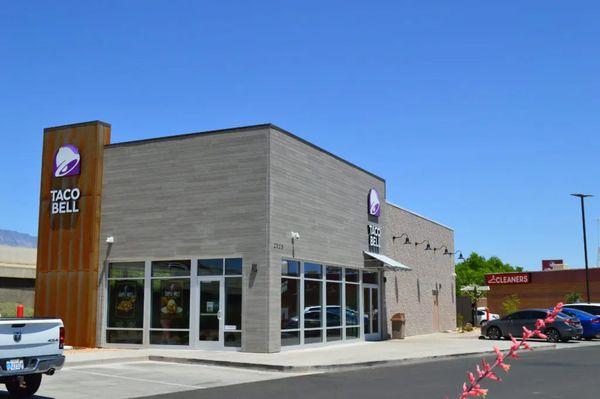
{"x": 210, "y": 321}
{"x": 371, "y": 311}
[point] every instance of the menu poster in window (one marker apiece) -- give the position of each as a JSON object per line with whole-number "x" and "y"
{"x": 126, "y": 300}
{"x": 171, "y": 299}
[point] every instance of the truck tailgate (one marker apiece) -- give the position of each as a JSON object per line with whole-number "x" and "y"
{"x": 29, "y": 337}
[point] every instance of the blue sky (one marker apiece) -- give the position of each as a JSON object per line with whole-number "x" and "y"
{"x": 481, "y": 115}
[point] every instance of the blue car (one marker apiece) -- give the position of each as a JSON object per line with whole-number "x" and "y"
{"x": 589, "y": 322}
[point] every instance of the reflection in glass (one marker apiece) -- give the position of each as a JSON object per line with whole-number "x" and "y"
{"x": 312, "y": 304}
{"x": 124, "y": 336}
{"x": 369, "y": 277}
{"x": 313, "y": 270}
{"x": 290, "y": 338}
{"x": 367, "y": 309}
{"x": 171, "y": 268}
{"x": 290, "y": 303}
{"x": 352, "y": 332}
{"x": 169, "y": 337}
{"x": 375, "y": 310}
{"x": 334, "y": 273}
{"x": 312, "y": 336}
{"x": 233, "y": 267}
{"x": 334, "y": 304}
{"x": 126, "y": 269}
{"x": 210, "y": 267}
{"x": 334, "y": 334}
{"x": 209, "y": 310}
{"x": 233, "y": 339}
{"x": 352, "y": 275}
{"x": 290, "y": 268}
{"x": 233, "y": 302}
{"x": 352, "y": 301}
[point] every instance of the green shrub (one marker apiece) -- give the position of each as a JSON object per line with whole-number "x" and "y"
{"x": 9, "y": 309}
{"x": 573, "y": 297}
{"x": 511, "y": 304}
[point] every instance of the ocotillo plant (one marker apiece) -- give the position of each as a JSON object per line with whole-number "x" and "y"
{"x": 473, "y": 388}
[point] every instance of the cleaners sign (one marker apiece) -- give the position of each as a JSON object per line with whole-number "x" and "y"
{"x": 508, "y": 278}
{"x": 67, "y": 162}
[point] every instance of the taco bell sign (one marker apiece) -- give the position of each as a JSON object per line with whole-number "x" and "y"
{"x": 67, "y": 161}
{"x": 374, "y": 203}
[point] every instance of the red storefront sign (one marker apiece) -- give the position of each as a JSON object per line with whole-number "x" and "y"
{"x": 508, "y": 278}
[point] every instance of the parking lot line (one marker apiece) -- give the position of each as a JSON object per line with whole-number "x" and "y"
{"x": 137, "y": 379}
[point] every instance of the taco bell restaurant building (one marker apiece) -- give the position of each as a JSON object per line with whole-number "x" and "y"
{"x": 248, "y": 239}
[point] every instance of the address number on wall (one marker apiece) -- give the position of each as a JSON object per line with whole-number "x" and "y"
{"x": 278, "y": 245}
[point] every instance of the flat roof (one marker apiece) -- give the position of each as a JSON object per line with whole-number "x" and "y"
{"x": 420, "y": 216}
{"x": 238, "y": 129}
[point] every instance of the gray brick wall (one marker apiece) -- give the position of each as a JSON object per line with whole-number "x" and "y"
{"x": 193, "y": 196}
{"x": 323, "y": 199}
{"x": 411, "y": 292}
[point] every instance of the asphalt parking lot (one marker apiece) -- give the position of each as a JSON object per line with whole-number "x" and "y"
{"x": 135, "y": 379}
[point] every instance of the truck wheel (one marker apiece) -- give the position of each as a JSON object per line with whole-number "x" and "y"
{"x": 24, "y": 386}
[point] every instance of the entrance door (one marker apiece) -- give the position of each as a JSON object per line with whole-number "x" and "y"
{"x": 371, "y": 312}
{"x": 210, "y": 320}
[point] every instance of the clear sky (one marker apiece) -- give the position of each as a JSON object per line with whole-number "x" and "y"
{"x": 481, "y": 115}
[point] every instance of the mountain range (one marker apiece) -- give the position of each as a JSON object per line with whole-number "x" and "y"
{"x": 16, "y": 239}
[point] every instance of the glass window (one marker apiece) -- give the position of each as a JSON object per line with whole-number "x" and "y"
{"x": 170, "y": 303}
{"x": 126, "y": 270}
{"x": 334, "y": 273}
{"x": 369, "y": 277}
{"x": 313, "y": 270}
{"x": 233, "y": 267}
{"x": 312, "y": 304}
{"x": 352, "y": 301}
{"x": 352, "y": 275}
{"x": 290, "y": 268}
{"x": 210, "y": 267}
{"x": 290, "y": 338}
{"x": 352, "y": 332}
{"x": 233, "y": 303}
{"x": 313, "y": 336}
{"x": 124, "y": 336}
{"x": 126, "y": 303}
{"x": 334, "y": 303}
{"x": 167, "y": 337}
{"x": 171, "y": 268}
{"x": 334, "y": 334}
{"x": 233, "y": 339}
{"x": 290, "y": 303}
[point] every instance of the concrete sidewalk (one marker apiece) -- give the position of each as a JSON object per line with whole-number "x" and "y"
{"x": 326, "y": 358}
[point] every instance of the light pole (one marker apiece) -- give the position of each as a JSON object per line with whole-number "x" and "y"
{"x": 587, "y": 271}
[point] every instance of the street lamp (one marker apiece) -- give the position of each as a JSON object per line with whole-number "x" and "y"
{"x": 406, "y": 240}
{"x": 427, "y": 247}
{"x": 587, "y": 271}
{"x": 460, "y": 257}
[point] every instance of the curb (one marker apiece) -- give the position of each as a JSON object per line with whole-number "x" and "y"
{"x": 288, "y": 368}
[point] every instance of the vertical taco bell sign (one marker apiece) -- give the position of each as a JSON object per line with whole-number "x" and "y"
{"x": 374, "y": 203}
{"x": 67, "y": 162}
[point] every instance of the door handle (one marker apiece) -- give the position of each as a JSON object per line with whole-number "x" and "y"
{"x": 219, "y": 315}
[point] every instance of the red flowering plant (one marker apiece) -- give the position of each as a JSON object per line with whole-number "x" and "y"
{"x": 473, "y": 388}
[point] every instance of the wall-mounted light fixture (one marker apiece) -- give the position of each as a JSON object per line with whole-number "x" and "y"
{"x": 440, "y": 248}
{"x": 254, "y": 268}
{"x": 427, "y": 248}
{"x": 406, "y": 240}
{"x": 460, "y": 257}
{"x": 110, "y": 240}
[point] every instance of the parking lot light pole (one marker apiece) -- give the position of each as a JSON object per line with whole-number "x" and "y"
{"x": 587, "y": 271}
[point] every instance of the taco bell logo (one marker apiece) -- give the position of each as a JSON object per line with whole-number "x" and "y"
{"x": 374, "y": 203}
{"x": 67, "y": 161}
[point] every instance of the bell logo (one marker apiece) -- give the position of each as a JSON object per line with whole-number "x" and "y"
{"x": 67, "y": 161}
{"x": 374, "y": 203}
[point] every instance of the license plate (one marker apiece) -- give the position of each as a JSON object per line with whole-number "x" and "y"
{"x": 14, "y": 365}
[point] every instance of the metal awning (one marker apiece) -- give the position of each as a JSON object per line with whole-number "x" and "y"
{"x": 387, "y": 262}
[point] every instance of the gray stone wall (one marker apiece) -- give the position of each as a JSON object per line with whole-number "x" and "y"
{"x": 325, "y": 200}
{"x": 412, "y": 292}
{"x": 201, "y": 195}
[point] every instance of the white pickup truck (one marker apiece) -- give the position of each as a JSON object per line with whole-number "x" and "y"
{"x": 29, "y": 347}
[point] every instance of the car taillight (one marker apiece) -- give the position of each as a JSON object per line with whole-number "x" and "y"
{"x": 596, "y": 321}
{"x": 61, "y": 338}
{"x": 569, "y": 322}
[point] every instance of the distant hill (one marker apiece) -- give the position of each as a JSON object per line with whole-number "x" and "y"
{"x": 16, "y": 239}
